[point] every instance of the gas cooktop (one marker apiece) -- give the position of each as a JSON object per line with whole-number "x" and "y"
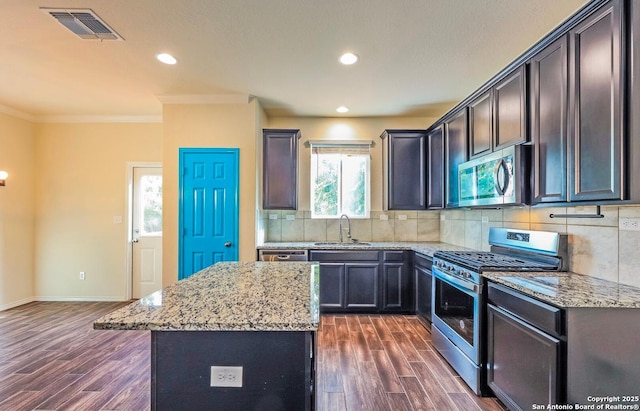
{"x": 488, "y": 261}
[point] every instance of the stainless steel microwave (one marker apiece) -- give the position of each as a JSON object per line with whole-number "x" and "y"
{"x": 496, "y": 179}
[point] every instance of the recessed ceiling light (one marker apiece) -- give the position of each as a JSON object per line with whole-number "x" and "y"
{"x": 342, "y": 109}
{"x": 166, "y": 58}
{"x": 348, "y": 59}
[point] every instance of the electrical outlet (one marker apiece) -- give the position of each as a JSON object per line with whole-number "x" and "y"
{"x": 443, "y": 217}
{"x": 485, "y": 219}
{"x": 291, "y": 217}
{"x": 226, "y": 376}
{"x": 384, "y": 217}
{"x": 402, "y": 217}
{"x": 273, "y": 216}
{"x": 629, "y": 224}
{"x": 82, "y": 275}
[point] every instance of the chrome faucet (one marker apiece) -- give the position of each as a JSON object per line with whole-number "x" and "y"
{"x": 348, "y": 227}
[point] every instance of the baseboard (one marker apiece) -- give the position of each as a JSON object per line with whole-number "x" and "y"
{"x": 82, "y": 299}
{"x": 17, "y": 303}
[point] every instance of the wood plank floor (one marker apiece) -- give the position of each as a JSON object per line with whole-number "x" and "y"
{"x": 52, "y": 359}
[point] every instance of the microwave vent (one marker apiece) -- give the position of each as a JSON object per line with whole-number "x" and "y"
{"x": 84, "y": 23}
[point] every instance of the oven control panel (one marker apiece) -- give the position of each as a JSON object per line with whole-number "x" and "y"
{"x": 456, "y": 270}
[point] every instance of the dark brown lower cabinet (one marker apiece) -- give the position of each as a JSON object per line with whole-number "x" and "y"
{"x": 367, "y": 281}
{"x": 278, "y": 370}
{"x": 523, "y": 362}
{"x": 540, "y": 354}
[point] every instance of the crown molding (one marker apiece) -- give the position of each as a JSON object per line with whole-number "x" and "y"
{"x": 78, "y": 118}
{"x": 17, "y": 113}
{"x": 205, "y": 99}
{"x": 98, "y": 119}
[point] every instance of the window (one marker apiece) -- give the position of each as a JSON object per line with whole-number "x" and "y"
{"x": 151, "y": 205}
{"x": 340, "y": 180}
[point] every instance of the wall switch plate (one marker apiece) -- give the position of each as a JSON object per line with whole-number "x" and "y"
{"x": 82, "y": 275}
{"x": 273, "y": 216}
{"x": 226, "y": 376}
{"x": 291, "y": 217}
{"x": 117, "y": 219}
{"x": 629, "y": 224}
{"x": 384, "y": 217}
{"x": 402, "y": 217}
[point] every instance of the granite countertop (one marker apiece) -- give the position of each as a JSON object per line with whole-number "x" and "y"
{"x": 228, "y": 296}
{"x": 427, "y": 248}
{"x": 562, "y": 289}
{"x": 570, "y": 290}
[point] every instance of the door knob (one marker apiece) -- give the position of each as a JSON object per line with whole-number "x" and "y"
{"x": 135, "y": 240}
{"x": 227, "y": 244}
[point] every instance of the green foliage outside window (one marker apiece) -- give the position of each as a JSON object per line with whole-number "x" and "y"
{"x": 340, "y": 185}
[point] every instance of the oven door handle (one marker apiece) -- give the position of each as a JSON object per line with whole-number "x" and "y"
{"x": 466, "y": 285}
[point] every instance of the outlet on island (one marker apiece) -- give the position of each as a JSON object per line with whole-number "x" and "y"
{"x": 82, "y": 275}
{"x": 226, "y": 376}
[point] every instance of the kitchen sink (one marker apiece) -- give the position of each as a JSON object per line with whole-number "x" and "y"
{"x": 334, "y": 243}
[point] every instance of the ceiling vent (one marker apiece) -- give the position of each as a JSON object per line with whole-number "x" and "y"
{"x": 84, "y": 23}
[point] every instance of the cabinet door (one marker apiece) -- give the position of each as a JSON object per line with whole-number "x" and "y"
{"x": 397, "y": 287}
{"x": 523, "y": 363}
{"x": 280, "y": 169}
{"x": 548, "y": 122}
{"x": 362, "y": 285}
{"x": 423, "y": 292}
{"x": 481, "y": 125}
{"x": 456, "y": 154}
{"x": 332, "y": 283}
{"x": 596, "y": 103}
{"x": 509, "y": 110}
{"x": 405, "y": 177}
{"x": 435, "y": 167}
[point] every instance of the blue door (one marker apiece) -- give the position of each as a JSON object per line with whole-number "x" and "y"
{"x": 208, "y": 222}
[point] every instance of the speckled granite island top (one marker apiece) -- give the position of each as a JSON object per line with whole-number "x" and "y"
{"x": 570, "y": 290}
{"x": 228, "y": 296}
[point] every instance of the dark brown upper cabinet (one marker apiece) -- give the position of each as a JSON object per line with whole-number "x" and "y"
{"x": 435, "y": 168}
{"x": 455, "y": 154}
{"x": 280, "y": 169}
{"x": 497, "y": 117}
{"x": 548, "y": 122}
{"x": 481, "y": 125}
{"x": 509, "y": 110}
{"x": 404, "y": 166}
{"x": 596, "y": 74}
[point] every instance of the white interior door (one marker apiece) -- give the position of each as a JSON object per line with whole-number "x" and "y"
{"x": 147, "y": 231}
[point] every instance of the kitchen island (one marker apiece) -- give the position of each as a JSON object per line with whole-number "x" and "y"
{"x": 236, "y": 335}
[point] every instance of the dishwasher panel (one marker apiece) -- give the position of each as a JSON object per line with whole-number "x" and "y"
{"x": 283, "y": 255}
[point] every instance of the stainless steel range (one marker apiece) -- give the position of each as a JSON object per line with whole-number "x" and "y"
{"x": 458, "y": 306}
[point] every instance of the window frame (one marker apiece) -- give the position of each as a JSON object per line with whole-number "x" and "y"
{"x": 367, "y": 183}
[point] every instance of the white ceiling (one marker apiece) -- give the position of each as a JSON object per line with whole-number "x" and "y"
{"x": 417, "y": 57}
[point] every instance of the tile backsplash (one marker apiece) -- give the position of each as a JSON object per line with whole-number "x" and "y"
{"x": 596, "y": 246}
{"x": 381, "y": 226}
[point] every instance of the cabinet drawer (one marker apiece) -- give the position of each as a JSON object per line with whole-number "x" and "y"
{"x": 422, "y": 260}
{"x": 544, "y": 316}
{"x": 393, "y": 256}
{"x": 344, "y": 256}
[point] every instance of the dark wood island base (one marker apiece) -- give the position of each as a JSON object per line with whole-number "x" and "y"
{"x": 278, "y": 370}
